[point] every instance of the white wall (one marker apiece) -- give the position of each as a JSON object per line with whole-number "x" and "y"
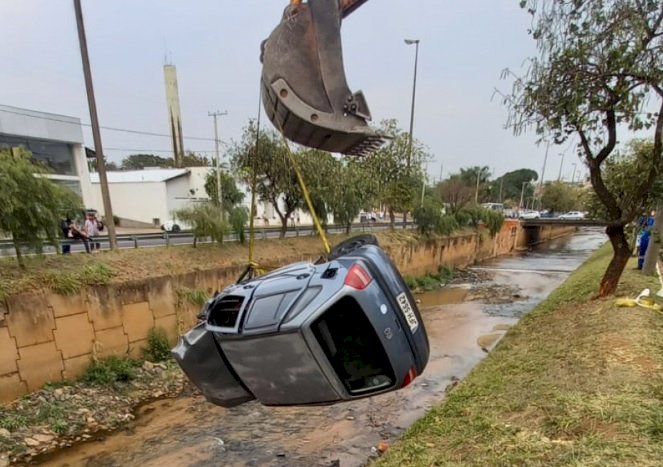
{"x": 136, "y": 201}
{"x": 178, "y": 195}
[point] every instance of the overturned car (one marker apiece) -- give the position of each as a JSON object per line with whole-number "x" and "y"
{"x": 309, "y": 333}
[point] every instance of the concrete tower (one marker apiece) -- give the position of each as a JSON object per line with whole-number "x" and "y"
{"x": 174, "y": 115}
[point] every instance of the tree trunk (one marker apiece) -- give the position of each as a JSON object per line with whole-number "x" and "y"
{"x": 19, "y": 255}
{"x": 654, "y": 247}
{"x": 621, "y": 255}
{"x": 392, "y": 219}
{"x": 348, "y": 228}
{"x": 284, "y": 226}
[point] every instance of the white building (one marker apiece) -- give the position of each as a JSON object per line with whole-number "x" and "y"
{"x": 151, "y": 196}
{"x": 56, "y": 140}
{"x": 146, "y": 196}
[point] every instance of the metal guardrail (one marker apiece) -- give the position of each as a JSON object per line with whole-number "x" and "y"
{"x": 558, "y": 221}
{"x": 186, "y": 237}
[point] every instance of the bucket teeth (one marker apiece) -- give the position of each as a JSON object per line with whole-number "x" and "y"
{"x": 305, "y": 91}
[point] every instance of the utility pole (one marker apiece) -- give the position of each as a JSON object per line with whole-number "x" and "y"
{"x": 219, "y": 191}
{"x": 501, "y": 186}
{"x": 96, "y": 133}
{"x": 543, "y": 172}
{"x": 573, "y": 177}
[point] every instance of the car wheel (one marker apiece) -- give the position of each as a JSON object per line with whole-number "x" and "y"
{"x": 176, "y": 228}
{"x": 351, "y": 244}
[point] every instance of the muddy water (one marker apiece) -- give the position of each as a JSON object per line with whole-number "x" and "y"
{"x": 190, "y": 432}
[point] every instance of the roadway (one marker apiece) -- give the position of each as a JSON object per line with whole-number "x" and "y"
{"x": 160, "y": 239}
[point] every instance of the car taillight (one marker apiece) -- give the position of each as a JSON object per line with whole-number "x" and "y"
{"x": 357, "y": 277}
{"x": 409, "y": 377}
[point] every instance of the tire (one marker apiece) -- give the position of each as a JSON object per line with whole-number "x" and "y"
{"x": 176, "y": 228}
{"x": 351, "y": 244}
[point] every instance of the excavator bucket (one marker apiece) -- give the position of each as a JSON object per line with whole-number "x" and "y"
{"x": 304, "y": 89}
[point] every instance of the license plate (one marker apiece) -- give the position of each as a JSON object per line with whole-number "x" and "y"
{"x": 408, "y": 312}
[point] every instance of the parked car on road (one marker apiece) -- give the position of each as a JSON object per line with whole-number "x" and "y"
{"x": 572, "y": 215}
{"x": 525, "y": 215}
{"x": 171, "y": 226}
{"x": 309, "y": 333}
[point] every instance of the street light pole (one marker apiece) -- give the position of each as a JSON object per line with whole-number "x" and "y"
{"x": 573, "y": 177}
{"x": 543, "y": 170}
{"x": 96, "y": 133}
{"x": 414, "y": 94}
{"x": 522, "y": 194}
{"x": 476, "y": 193}
{"x": 218, "y": 156}
{"x": 561, "y": 166}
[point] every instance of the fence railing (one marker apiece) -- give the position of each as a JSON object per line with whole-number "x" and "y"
{"x": 185, "y": 237}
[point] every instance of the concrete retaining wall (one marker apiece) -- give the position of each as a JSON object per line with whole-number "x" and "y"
{"x": 49, "y": 337}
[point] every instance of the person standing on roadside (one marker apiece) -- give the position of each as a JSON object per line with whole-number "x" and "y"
{"x": 92, "y": 230}
{"x": 65, "y": 226}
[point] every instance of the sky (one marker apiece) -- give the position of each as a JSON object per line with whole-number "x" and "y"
{"x": 215, "y": 44}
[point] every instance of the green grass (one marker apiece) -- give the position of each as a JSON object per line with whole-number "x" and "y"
{"x": 158, "y": 347}
{"x": 50, "y": 413}
{"x": 576, "y": 382}
{"x": 110, "y": 371}
{"x": 191, "y": 296}
{"x": 431, "y": 280}
{"x": 69, "y": 283}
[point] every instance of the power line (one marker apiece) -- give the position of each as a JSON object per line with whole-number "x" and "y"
{"x": 158, "y": 150}
{"x": 124, "y": 130}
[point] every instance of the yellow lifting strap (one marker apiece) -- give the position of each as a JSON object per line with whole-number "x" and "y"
{"x": 252, "y": 267}
{"x": 307, "y": 197}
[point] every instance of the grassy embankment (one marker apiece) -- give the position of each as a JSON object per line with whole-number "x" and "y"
{"x": 576, "y": 382}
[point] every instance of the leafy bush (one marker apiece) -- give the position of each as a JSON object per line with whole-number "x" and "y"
{"x": 206, "y": 221}
{"x": 493, "y": 220}
{"x": 476, "y": 215}
{"x": 430, "y": 219}
{"x": 110, "y": 371}
{"x": 158, "y": 347}
{"x": 238, "y": 218}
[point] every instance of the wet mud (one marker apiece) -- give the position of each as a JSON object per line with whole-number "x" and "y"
{"x": 188, "y": 431}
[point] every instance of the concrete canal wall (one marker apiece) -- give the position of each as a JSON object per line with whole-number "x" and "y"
{"x": 49, "y": 337}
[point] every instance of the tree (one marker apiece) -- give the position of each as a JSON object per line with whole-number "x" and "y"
{"x": 33, "y": 206}
{"x": 599, "y": 72}
{"x": 355, "y": 190}
{"x": 275, "y": 177}
{"x": 110, "y": 165}
{"x": 621, "y": 172}
{"x": 395, "y": 184}
{"x": 455, "y": 193}
{"x": 206, "y": 221}
{"x": 322, "y": 178}
{"x": 509, "y": 185}
{"x": 232, "y": 196}
{"x": 141, "y": 161}
{"x": 559, "y": 197}
{"x": 191, "y": 159}
{"x": 236, "y": 214}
